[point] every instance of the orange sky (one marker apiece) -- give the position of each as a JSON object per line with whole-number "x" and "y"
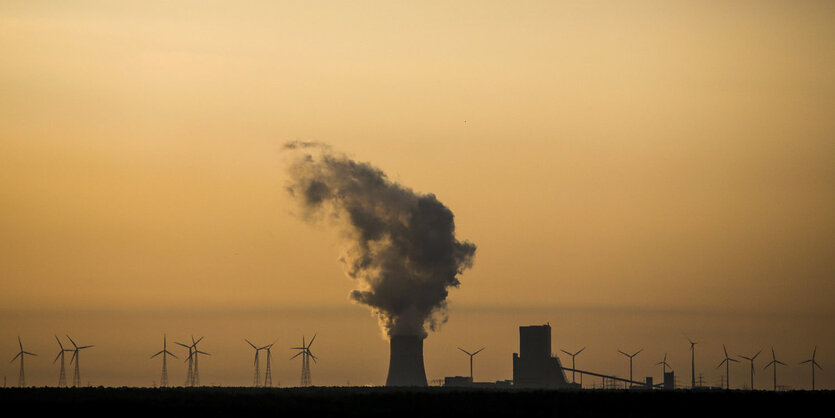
{"x": 602, "y": 155}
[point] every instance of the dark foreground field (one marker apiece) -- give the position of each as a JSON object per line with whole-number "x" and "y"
{"x": 429, "y": 402}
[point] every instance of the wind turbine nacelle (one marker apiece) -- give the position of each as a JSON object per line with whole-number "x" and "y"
{"x": 406, "y": 361}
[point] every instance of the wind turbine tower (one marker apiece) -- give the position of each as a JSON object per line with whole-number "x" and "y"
{"x": 631, "y": 356}
{"x": 256, "y": 378}
{"x": 195, "y": 377}
{"x": 751, "y": 359}
{"x": 163, "y": 381}
{"x": 664, "y": 365}
{"x": 190, "y": 360}
{"x": 471, "y": 359}
{"x": 306, "y": 356}
{"x": 773, "y": 363}
{"x": 813, "y": 364}
{"x": 727, "y": 362}
{"x": 76, "y": 377}
{"x": 21, "y": 382}
{"x": 62, "y": 374}
{"x": 268, "y": 375}
{"x": 572, "y": 361}
{"x": 692, "y": 363}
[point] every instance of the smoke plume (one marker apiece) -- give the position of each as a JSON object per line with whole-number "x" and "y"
{"x": 401, "y": 247}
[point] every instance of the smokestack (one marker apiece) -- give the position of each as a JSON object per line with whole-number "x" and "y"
{"x": 406, "y": 361}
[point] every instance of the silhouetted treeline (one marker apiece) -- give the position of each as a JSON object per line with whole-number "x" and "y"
{"x": 426, "y": 402}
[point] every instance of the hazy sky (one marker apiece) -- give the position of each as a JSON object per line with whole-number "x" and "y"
{"x": 612, "y": 156}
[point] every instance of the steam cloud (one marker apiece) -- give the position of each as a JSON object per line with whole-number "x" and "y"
{"x": 401, "y": 245}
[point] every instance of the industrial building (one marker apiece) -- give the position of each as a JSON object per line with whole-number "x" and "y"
{"x": 534, "y": 366}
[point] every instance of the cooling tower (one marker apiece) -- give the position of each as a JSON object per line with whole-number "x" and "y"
{"x": 406, "y": 361}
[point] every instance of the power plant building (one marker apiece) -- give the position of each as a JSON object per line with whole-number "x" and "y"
{"x": 534, "y": 366}
{"x": 406, "y": 361}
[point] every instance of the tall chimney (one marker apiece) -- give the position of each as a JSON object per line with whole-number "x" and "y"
{"x": 406, "y": 361}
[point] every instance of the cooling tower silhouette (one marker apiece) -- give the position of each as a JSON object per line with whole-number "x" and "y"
{"x": 406, "y": 361}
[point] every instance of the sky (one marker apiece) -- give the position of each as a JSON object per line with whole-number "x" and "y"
{"x": 630, "y": 173}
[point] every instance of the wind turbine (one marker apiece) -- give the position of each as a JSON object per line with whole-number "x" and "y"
{"x": 727, "y": 362}
{"x": 195, "y": 376}
{"x": 62, "y": 375}
{"x": 751, "y": 359}
{"x": 471, "y": 359}
{"x": 813, "y": 364}
{"x": 163, "y": 382}
{"x": 692, "y": 363}
{"x": 22, "y": 380}
{"x": 773, "y": 363}
{"x": 631, "y": 356}
{"x": 306, "y": 356}
{"x": 268, "y": 379}
{"x": 664, "y": 365}
{"x": 190, "y": 360}
{"x": 257, "y": 376}
{"x": 76, "y": 377}
{"x": 572, "y": 361}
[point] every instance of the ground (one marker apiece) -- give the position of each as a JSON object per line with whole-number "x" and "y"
{"x": 428, "y": 402}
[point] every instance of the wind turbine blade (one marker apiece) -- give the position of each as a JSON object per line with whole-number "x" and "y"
{"x": 198, "y": 340}
{"x": 638, "y": 352}
{"x": 814, "y": 351}
{"x": 157, "y": 354}
{"x": 297, "y": 354}
{"x": 815, "y": 363}
{"x": 721, "y": 363}
{"x": 732, "y": 360}
{"x": 465, "y": 351}
{"x": 479, "y": 350}
{"x": 201, "y": 352}
{"x": 74, "y": 353}
{"x": 15, "y": 357}
{"x": 268, "y": 347}
{"x": 73, "y": 342}
{"x": 566, "y": 352}
{"x": 59, "y": 342}
{"x": 746, "y": 358}
{"x": 19, "y": 343}
{"x": 804, "y": 362}
{"x": 86, "y": 346}
{"x": 251, "y": 344}
{"x": 780, "y": 362}
{"x": 581, "y": 350}
{"x": 311, "y": 341}
{"x": 171, "y": 354}
{"x": 627, "y": 355}
{"x": 726, "y": 350}
{"x": 56, "y": 357}
{"x": 31, "y": 354}
{"x": 755, "y": 355}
